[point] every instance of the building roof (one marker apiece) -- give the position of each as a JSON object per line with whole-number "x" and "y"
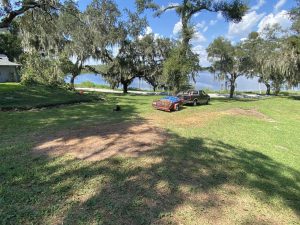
{"x": 5, "y": 62}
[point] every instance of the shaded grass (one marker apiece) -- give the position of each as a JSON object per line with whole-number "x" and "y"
{"x": 19, "y": 97}
{"x": 231, "y": 170}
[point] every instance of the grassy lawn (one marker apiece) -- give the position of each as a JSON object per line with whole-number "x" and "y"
{"x": 17, "y": 96}
{"x": 231, "y": 162}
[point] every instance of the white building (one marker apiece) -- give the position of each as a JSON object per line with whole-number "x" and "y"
{"x": 8, "y": 70}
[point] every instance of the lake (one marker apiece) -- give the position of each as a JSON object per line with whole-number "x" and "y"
{"x": 203, "y": 80}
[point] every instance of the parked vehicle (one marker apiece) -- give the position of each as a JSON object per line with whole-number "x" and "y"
{"x": 194, "y": 97}
{"x": 168, "y": 103}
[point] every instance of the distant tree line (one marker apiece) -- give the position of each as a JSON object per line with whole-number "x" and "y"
{"x": 59, "y": 39}
{"x": 272, "y": 55}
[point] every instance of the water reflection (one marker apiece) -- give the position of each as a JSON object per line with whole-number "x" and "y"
{"x": 204, "y": 80}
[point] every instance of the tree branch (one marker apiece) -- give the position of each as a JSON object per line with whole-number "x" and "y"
{"x": 11, "y": 15}
{"x": 162, "y": 10}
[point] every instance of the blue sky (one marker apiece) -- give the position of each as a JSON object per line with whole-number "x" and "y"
{"x": 212, "y": 25}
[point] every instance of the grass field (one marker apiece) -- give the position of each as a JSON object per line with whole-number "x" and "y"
{"x": 231, "y": 162}
{"x": 16, "y": 96}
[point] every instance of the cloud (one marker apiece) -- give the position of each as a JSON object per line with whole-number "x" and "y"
{"x": 148, "y": 30}
{"x": 177, "y": 28}
{"x": 198, "y": 37}
{"x": 200, "y": 25}
{"x": 259, "y": 4}
{"x": 196, "y": 14}
{"x": 219, "y": 16}
{"x": 247, "y": 25}
{"x": 279, "y": 4}
{"x": 201, "y": 51}
{"x": 213, "y": 22}
{"x": 203, "y": 26}
{"x": 282, "y": 18}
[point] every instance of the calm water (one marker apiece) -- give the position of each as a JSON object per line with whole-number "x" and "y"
{"x": 203, "y": 80}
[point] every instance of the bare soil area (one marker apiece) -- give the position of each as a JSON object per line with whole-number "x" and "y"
{"x": 102, "y": 141}
{"x": 202, "y": 118}
{"x": 124, "y": 139}
{"x": 248, "y": 112}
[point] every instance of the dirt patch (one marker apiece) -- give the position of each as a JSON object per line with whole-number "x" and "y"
{"x": 247, "y": 112}
{"x": 202, "y": 118}
{"x": 197, "y": 119}
{"x": 102, "y": 141}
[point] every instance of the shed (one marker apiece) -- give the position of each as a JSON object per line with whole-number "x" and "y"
{"x": 8, "y": 70}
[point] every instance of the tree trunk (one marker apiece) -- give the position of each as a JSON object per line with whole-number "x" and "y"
{"x": 72, "y": 81}
{"x": 268, "y": 86}
{"x": 125, "y": 88}
{"x": 276, "y": 89}
{"x": 232, "y": 88}
{"x": 154, "y": 88}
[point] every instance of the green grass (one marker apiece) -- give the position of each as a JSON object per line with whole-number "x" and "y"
{"x": 17, "y": 96}
{"x": 89, "y": 84}
{"x": 215, "y": 168}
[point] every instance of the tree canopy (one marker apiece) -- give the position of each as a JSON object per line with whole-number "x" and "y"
{"x": 227, "y": 61}
{"x": 58, "y": 39}
{"x": 183, "y": 59}
{"x": 10, "y": 9}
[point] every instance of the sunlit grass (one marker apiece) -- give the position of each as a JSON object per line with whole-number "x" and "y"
{"x": 216, "y": 167}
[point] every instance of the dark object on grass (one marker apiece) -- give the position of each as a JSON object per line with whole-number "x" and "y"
{"x": 117, "y": 108}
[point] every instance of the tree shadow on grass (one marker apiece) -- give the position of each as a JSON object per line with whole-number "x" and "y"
{"x": 150, "y": 189}
{"x": 295, "y": 97}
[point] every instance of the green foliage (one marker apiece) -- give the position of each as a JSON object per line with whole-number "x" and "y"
{"x": 11, "y": 9}
{"x": 72, "y": 34}
{"x": 153, "y": 51}
{"x": 10, "y": 45}
{"x": 295, "y": 16}
{"x": 179, "y": 68}
{"x": 275, "y": 56}
{"x": 231, "y": 10}
{"x": 133, "y": 58}
{"x": 10, "y": 42}
{"x": 228, "y": 61}
{"x": 41, "y": 70}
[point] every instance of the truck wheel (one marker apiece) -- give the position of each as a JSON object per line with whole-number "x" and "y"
{"x": 177, "y": 107}
{"x": 195, "y": 103}
{"x": 207, "y": 102}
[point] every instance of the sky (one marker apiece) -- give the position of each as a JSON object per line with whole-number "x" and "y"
{"x": 212, "y": 25}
